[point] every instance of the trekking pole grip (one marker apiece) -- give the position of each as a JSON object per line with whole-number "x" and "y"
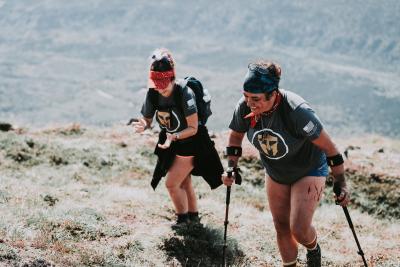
{"x": 337, "y": 190}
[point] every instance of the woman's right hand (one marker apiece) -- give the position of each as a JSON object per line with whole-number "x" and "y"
{"x": 140, "y": 125}
{"x": 227, "y": 179}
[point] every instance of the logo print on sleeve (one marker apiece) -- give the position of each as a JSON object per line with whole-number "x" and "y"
{"x": 270, "y": 143}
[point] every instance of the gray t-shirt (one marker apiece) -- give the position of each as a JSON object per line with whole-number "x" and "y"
{"x": 169, "y": 114}
{"x": 284, "y": 138}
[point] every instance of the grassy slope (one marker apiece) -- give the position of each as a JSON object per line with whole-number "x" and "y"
{"x": 81, "y": 197}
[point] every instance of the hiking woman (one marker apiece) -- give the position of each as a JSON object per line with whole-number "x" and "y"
{"x": 295, "y": 151}
{"x": 184, "y": 146}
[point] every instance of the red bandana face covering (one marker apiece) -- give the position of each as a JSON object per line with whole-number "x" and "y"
{"x": 161, "y": 79}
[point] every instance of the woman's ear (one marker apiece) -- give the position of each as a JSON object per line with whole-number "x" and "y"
{"x": 268, "y": 96}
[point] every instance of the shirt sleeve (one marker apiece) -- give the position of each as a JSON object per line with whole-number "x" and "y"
{"x": 238, "y": 122}
{"x": 307, "y": 123}
{"x": 148, "y": 109}
{"x": 188, "y": 102}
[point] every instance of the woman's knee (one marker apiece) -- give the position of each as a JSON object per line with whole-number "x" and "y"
{"x": 281, "y": 226}
{"x": 187, "y": 183}
{"x": 300, "y": 231}
{"x": 172, "y": 183}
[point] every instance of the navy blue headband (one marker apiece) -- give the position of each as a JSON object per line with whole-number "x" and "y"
{"x": 256, "y": 82}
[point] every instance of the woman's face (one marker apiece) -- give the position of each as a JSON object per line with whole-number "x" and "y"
{"x": 257, "y": 102}
{"x": 165, "y": 92}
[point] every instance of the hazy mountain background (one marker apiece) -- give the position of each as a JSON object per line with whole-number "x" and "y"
{"x": 86, "y": 61}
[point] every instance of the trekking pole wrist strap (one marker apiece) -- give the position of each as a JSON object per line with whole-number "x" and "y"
{"x": 235, "y": 171}
{"x": 235, "y": 151}
{"x": 335, "y": 160}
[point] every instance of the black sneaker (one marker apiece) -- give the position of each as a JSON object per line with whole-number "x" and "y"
{"x": 314, "y": 257}
{"x": 194, "y": 217}
{"x": 181, "y": 222}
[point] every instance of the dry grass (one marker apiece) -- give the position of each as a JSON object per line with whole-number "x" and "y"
{"x": 71, "y": 196}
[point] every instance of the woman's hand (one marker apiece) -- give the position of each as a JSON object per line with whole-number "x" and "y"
{"x": 140, "y": 125}
{"x": 168, "y": 141}
{"x": 228, "y": 178}
{"x": 342, "y": 194}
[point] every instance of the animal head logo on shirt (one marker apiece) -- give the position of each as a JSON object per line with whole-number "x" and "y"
{"x": 268, "y": 143}
{"x": 168, "y": 120}
{"x": 164, "y": 118}
{"x": 271, "y": 144}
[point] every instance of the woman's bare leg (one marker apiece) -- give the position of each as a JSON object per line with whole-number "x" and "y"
{"x": 279, "y": 204}
{"x": 180, "y": 169}
{"x": 305, "y": 196}
{"x": 191, "y": 195}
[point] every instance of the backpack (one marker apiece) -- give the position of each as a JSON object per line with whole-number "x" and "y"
{"x": 203, "y": 98}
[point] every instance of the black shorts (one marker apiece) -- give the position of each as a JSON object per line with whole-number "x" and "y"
{"x": 185, "y": 147}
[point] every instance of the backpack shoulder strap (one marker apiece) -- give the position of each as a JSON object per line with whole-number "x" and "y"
{"x": 153, "y": 97}
{"x": 178, "y": 96}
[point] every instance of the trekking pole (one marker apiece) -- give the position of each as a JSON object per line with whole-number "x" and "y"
{"x": 228, "y": 197}
{"x": 347, "y": 214}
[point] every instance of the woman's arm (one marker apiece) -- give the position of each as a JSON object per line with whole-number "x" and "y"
{"x": 235, "y": 140}
{"x": 191, "y": 130}
{"x": 192, "y": 122}
{"x": 143, "y": 124}
{"x": 325, "y": 143}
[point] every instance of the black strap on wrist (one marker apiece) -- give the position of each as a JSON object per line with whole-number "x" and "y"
{"x": 335, "y": 160}
{"x": 236, "y": 172}
{"x": 234, "y": 151}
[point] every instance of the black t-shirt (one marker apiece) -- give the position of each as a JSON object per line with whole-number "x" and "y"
{"x": 169, "y": 115}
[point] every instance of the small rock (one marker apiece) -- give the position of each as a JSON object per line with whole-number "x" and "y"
{"x": 30, "y": 143}
{"x": 351, "y": 147}
{"x": 122, "y": 144}
{"x": 50, "y": 200}
{"x": 375, "y": 177}
{"x": 381, "y": 150}
{"x": 5, "y": 127}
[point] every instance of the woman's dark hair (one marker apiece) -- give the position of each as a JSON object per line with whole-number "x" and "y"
{"x": 274, "y": 69}
{"x": 162, "y": 60}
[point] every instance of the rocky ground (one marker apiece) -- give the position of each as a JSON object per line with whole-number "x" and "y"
{"x": 78, "y": 196}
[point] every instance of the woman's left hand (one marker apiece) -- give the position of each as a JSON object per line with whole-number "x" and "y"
{"x": 168, "y": 141}
{"x": 344, "y": 197}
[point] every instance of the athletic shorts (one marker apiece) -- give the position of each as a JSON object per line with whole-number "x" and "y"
{"x": 321, "y": 170}
{"x": 185, "y": 147}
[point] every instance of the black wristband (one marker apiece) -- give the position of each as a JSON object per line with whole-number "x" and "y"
{"x": 234, "y": 151}
{"x": 335, "y": 160}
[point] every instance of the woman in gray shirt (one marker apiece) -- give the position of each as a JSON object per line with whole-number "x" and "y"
{"x": 294, "y": 149}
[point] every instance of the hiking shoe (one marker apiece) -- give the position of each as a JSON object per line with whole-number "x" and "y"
{"x": 314, "y": 257}
{"x": 194, "y": 217}
{"x": 181, "y": 222}
{"x": 180, "y": 226}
